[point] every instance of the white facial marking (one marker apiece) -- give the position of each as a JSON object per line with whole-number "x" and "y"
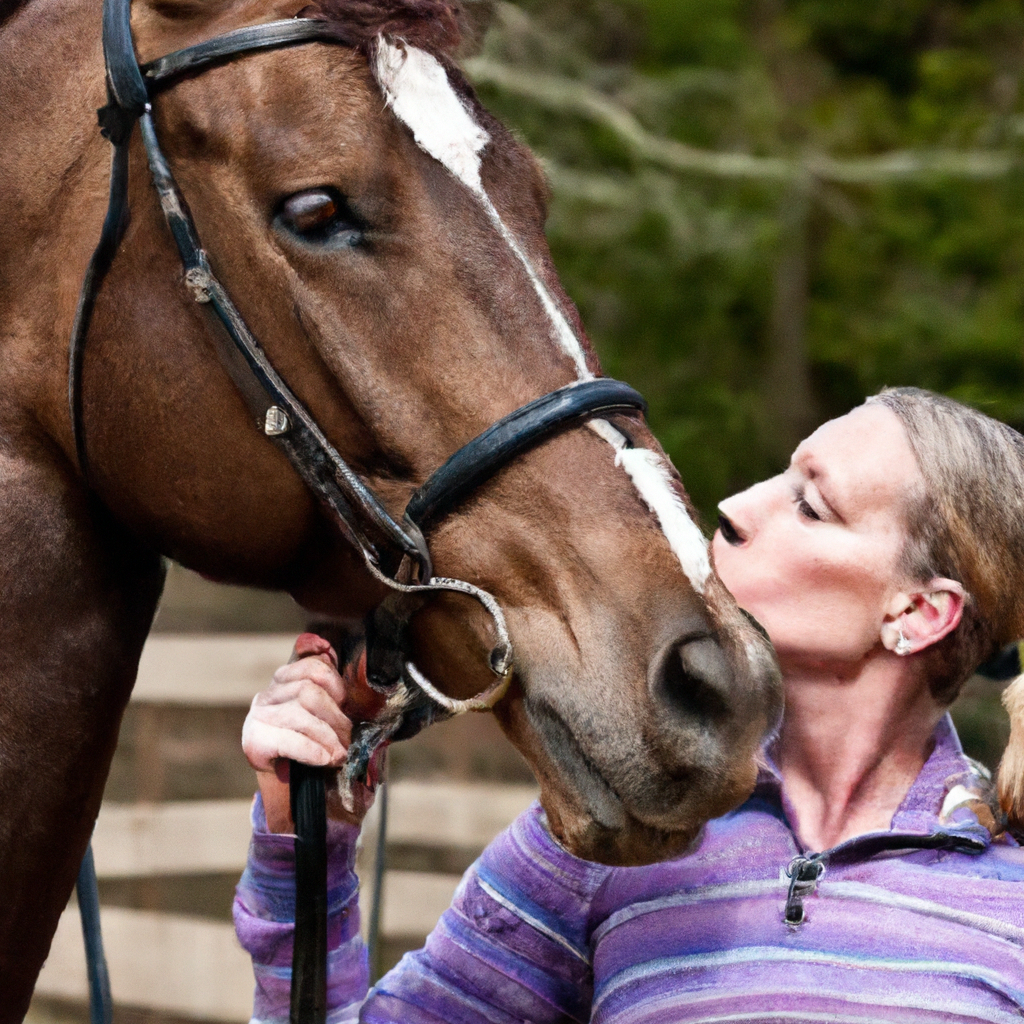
{"x": 564, "y": 334}
{"x": 416, "y": 87}
{"x": 653, "y": 482}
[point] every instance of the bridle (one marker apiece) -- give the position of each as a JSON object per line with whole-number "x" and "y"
{"x": 394, "y": 552}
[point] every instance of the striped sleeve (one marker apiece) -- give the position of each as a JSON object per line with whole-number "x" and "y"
{"x": 513, "y": 946}
{"x": 264, "y": 913}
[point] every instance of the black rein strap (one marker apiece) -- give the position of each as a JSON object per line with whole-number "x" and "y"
{"x": 308, "y": 795}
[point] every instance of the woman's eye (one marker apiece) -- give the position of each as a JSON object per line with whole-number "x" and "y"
{"x": 321, "y": 216}
{"x": 805, "y": 509}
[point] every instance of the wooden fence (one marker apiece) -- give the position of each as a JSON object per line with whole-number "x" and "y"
{"x": 172, "y": 965}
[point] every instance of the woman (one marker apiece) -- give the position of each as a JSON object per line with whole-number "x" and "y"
{"x": 867, "y": 878}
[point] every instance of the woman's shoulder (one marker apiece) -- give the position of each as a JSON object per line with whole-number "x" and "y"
{"x": 525, "y": 876}
{"x": 527, "y": 853}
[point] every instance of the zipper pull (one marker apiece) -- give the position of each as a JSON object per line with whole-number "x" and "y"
{"x": 803, "y": 873}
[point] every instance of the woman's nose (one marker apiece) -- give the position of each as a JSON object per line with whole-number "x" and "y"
{"x": 740, "y": 516}
{"x": 730, "y": 532}
{"x": 731, "y": 522}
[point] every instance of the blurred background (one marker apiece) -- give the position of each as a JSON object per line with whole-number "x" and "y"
{"x": 766, "y": 210}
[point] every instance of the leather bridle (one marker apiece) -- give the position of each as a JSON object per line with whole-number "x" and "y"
{"x": 394, "y": 552}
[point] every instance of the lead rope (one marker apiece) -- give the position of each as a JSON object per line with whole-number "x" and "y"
{"x": 101, "y": 1006}
{"x": 373, "y": 950}
{"x": 308, "y": 1004}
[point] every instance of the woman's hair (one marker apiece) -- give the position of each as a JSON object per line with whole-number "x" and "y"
{"x": 966, "y": 525}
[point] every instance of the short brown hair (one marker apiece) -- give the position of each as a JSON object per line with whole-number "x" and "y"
{"x": 967, "y": 525}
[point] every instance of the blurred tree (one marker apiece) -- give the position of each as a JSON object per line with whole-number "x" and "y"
{"x": 768, "y": 209}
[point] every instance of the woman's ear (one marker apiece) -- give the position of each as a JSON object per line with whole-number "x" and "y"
{"x": 917, "y": 619}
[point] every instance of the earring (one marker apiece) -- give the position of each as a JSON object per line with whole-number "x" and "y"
{"x": 902, "y": 645}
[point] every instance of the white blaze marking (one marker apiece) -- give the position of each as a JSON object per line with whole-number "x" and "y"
{"x": 654, "y": 484}
{"x": 416, "y": 87}
{"x": 564, "y": 334}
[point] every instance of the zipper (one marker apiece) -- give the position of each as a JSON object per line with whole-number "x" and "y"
{"x": 805, "y": 871}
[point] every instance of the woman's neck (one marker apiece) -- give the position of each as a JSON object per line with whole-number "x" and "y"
{"x": 850, "y": 748}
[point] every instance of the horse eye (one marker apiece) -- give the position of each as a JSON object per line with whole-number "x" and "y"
{"x": 319, "y": 215}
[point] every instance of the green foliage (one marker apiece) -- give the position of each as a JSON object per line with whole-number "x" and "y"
{"x": 679, "y": 266}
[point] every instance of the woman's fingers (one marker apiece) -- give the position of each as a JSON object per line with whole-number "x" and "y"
{"x": 315, "y": 670}
{"x": 310, "y": 713}
{"x": 308, "y": 695}
{"x": 310, "y": 645}
{"x": 265, "y": 745}
{"x": 299, "y": 717}
{"x": 315, "y": 735}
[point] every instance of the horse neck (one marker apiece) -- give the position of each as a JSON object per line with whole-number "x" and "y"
{"x": 54, "y": 166}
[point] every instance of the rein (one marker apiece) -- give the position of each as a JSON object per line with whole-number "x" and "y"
{"x": 395, "y": 552}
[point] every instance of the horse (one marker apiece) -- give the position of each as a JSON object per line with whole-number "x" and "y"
{"x": 384, "y": 236}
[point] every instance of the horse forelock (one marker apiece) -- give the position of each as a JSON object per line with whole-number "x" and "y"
{"x": 432, "y": 25}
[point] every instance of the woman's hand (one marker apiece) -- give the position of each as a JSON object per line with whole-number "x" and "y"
{"x": 302, "y": 716}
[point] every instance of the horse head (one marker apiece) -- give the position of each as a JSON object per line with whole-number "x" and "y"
{"x": 382, "y": 234}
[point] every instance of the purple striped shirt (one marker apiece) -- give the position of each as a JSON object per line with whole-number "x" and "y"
{"x": 922, "y": 923}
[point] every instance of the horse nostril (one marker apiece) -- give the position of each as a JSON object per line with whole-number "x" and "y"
{"x": 695, "y": 678}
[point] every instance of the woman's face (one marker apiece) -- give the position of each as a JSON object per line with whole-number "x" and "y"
{"x": 812, "y": 553}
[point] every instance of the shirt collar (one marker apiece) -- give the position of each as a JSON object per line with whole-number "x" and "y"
{"x": 952, "y": 794}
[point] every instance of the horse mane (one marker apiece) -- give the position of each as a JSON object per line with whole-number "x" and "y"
{"x": 436, "y": 26}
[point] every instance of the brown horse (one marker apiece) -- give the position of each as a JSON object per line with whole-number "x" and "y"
{"x": 409, "y": 306}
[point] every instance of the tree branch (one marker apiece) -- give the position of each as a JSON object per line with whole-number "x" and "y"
{"x": 567, "y": 96}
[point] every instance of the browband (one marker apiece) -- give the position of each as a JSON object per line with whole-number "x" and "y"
{"x": 270, "y": 36}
